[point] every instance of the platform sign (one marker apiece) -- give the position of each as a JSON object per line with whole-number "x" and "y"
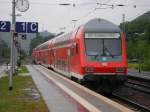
{"x": 32, "y": 27}
{"x": 27, "y": 27}
{"x": 21, "y": 27}
{"x": 5, "y": 26}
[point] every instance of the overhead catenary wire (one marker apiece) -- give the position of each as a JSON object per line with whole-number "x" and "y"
{"x": 88, "y": 3}
{"x": 106, "y": 7}
{"x": 95, "y": 8}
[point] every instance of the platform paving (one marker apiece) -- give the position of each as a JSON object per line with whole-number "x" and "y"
{"x": 56, "y": 100}
{"x": 89, "y": 99}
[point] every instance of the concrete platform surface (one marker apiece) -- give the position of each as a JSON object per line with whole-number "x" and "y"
{"x": 56, "y": 99}
{"x": 89, "y": 99}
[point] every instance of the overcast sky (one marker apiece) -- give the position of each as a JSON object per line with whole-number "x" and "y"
{"x": 54, "y": 18}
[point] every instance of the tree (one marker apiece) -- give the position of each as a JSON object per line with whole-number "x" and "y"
{"x": 147, "y": 33}
{"x": 39, "y": 40}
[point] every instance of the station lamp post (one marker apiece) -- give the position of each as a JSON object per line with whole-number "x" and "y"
{"x": 13, "y": 25}
{"x": 22, "y": 6}
{"x": 14, "y": 37}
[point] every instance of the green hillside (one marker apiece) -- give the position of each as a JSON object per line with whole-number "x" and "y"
{"x": 138, "y": 40}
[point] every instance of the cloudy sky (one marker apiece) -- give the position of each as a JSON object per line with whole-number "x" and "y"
{"x": 55, "y": 18}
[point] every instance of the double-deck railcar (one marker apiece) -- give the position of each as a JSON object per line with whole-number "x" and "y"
{"x": 95, "y": 51}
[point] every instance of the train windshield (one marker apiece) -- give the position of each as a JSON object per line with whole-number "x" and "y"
{"x": 103, "y": 47}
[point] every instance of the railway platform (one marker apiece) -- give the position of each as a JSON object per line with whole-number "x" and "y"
{"x": 56, "y": 100}
{"x": 64, "y": 95}
{"x": 142, "y": 74}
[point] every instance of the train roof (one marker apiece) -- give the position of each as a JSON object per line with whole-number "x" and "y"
{"x": 43, "y": 45}
{"x": 100, "y": 25}
{"x": 95, "y": 25}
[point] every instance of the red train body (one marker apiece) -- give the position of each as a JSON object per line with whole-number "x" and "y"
{"x": 94, "y": 51}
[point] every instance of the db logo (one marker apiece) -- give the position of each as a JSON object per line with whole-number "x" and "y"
{"x": 104, "y": 64}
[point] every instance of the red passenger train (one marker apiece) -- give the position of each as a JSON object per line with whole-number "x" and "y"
{"x": 94, "y": 51}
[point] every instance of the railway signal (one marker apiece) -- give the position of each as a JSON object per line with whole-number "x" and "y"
{"x": 23, "y": 36}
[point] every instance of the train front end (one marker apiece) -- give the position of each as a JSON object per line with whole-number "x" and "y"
{"x": 105, "y": 53}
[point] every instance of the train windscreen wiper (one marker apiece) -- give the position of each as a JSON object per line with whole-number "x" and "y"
{"x": 97, "y": 55}
{"x": 106, "y": 49}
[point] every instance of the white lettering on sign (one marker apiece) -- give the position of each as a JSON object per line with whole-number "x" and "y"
{"x": 33, "y": 26}
{"x": 26, "y": 27}
{"x": 23, "y": 26}
{"x": 3, "y": 25}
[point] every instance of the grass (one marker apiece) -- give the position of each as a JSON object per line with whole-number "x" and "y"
{"x": 23, "y": 69}
{"x": 19, "y": 100}
{"x": 133, "y": 65}
{"x": 143, "y": 66}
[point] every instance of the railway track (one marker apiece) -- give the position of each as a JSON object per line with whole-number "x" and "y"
{"x": 134, "y": 103}
{"x": 139, "y": 79}
{"x": 135, "y": 91}
{"x": 138, "y": 86}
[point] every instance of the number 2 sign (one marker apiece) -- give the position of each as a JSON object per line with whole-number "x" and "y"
{"x": 5, "y": 26}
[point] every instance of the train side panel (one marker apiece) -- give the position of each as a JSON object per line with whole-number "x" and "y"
{"x": 75, "y": 59}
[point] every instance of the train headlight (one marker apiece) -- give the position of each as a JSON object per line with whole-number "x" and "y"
{"x": 89, "y": 69}
{"x": 120, "y": 69}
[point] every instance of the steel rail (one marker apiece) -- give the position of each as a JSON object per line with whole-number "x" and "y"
{"x": 137, "y": 105}
{"x": 138, "y": 87}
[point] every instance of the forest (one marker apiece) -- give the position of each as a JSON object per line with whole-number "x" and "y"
{"x": 138, "y": 41}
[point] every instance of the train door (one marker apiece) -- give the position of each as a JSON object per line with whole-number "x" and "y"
{"x": 49, "y": 58}
{"x": 68, "y": 62}
{"x": 54, "y": 58}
